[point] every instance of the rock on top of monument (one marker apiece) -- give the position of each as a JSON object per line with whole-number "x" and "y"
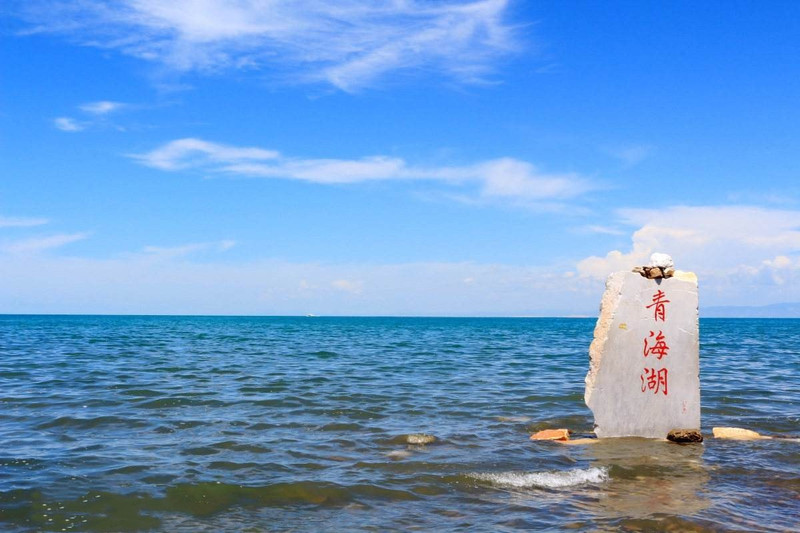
{"x": 662, "y": 261}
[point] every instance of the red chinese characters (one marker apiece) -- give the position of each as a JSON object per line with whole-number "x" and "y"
{"x": 656, "y": 379}
{"x": 658, "y": 348}
{"x": 660, "y": 310}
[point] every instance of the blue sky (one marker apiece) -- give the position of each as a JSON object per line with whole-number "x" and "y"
{"x": 483, "y": 157}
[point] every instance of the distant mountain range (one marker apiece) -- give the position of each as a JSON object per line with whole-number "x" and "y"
{"x": 784, "y": 310}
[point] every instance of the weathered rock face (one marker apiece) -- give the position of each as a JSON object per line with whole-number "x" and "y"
{"x": 643, "y": 378}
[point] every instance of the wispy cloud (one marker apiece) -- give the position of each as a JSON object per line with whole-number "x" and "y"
{"x": 349, "y": 44}
{"x": 495, "y": 178}
{"x": 68, "y": 124}
{"x": 631, "y": 154}
{"x": 187, "y": 249}
{"x": 188, "y": 153}
{"x": 21, "y": 222}
{"x": 602, "y": 230}
{"x": 346, "y": 285}
{"x": 103, "y": 107}
{"x": 95, "y": 114}
{"x": 40, "y": 244}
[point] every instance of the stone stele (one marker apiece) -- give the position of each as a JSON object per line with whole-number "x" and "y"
{"x": 630, "y": 389}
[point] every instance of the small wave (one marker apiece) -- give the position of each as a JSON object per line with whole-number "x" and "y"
{"x": 550, "y": 480}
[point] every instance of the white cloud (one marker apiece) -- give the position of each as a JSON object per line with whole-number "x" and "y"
{"x": 188, "y": 153}
{"x": 348, "y": 43}
{"x": 39, "y": 244}
{"x": 742, "y": 254}
{"x": 603, "y": 230}
{"x": 21, "y": 222}
{"x": 68, "y": 124}
{"x": 631, "y": 154}
{"x": 95, "y": 115}
{"x": 354, "y": 287}
{"x": 186, "y": 249}
{"x": 103, "y": 107}
{"x": 502, "y": 178}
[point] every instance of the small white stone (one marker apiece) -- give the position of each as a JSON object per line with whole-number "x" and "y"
{"x": 661, "y": 261}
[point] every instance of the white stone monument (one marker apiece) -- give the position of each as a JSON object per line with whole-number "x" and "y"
{"x": 644, "y": 373}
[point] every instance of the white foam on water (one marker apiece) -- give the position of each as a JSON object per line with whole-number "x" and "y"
{"x": 550, "y": 480}
{"x": 399, "y": 454}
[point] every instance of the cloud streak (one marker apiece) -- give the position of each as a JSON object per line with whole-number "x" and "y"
{"x": 349, "y": 44}
{"x": 68, "y": 124}
{"x": 165, "y": 252}
{"x": 502, "y": 178}
{"x": 102, "y": 107}
{"x": 36, "y": 245}
{"x": 95, "y": 114}
{"x": 21, "y": 222}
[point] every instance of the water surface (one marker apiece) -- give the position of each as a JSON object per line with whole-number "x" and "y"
{"x": 301, "y": 424}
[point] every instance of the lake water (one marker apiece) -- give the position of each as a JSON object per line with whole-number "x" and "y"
{"x": 301, "y": 424}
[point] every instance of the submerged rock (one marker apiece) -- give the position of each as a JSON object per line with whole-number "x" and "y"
{"x": 737, "y": 434}
{"x": 398, "y": 454}
{"x": 579, "y": 441}
{"x": 684, "y": 436}
{"x": 420, "y": 438}
{"x": 513, "y": 419}
{"x": 551, "y": 434}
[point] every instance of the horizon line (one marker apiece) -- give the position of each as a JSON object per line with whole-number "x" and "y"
{"x": 310, "y": 316}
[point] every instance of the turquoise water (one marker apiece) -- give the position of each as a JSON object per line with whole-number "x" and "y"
{"x": 302, "y": 424}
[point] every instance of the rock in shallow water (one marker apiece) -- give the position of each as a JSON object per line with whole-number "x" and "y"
{"x": 398, "y": 454}
{"x": 685, "y": 435}
{"x": 551, "y": 434}
{"x": 420, "y": 438}
{"x": 736, "y": 434}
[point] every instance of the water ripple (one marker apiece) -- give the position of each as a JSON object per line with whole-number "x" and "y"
{"x": 201, "y": 423}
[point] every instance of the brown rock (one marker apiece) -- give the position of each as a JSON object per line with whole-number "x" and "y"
{"x": 551, "y": 434}
{"x": 668, "y": 273}
{"x": 685, "y": 435}
{"x": 736, "y": 434}
{"x": 654, "y": 273}
{"x": 639, "y": 270}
